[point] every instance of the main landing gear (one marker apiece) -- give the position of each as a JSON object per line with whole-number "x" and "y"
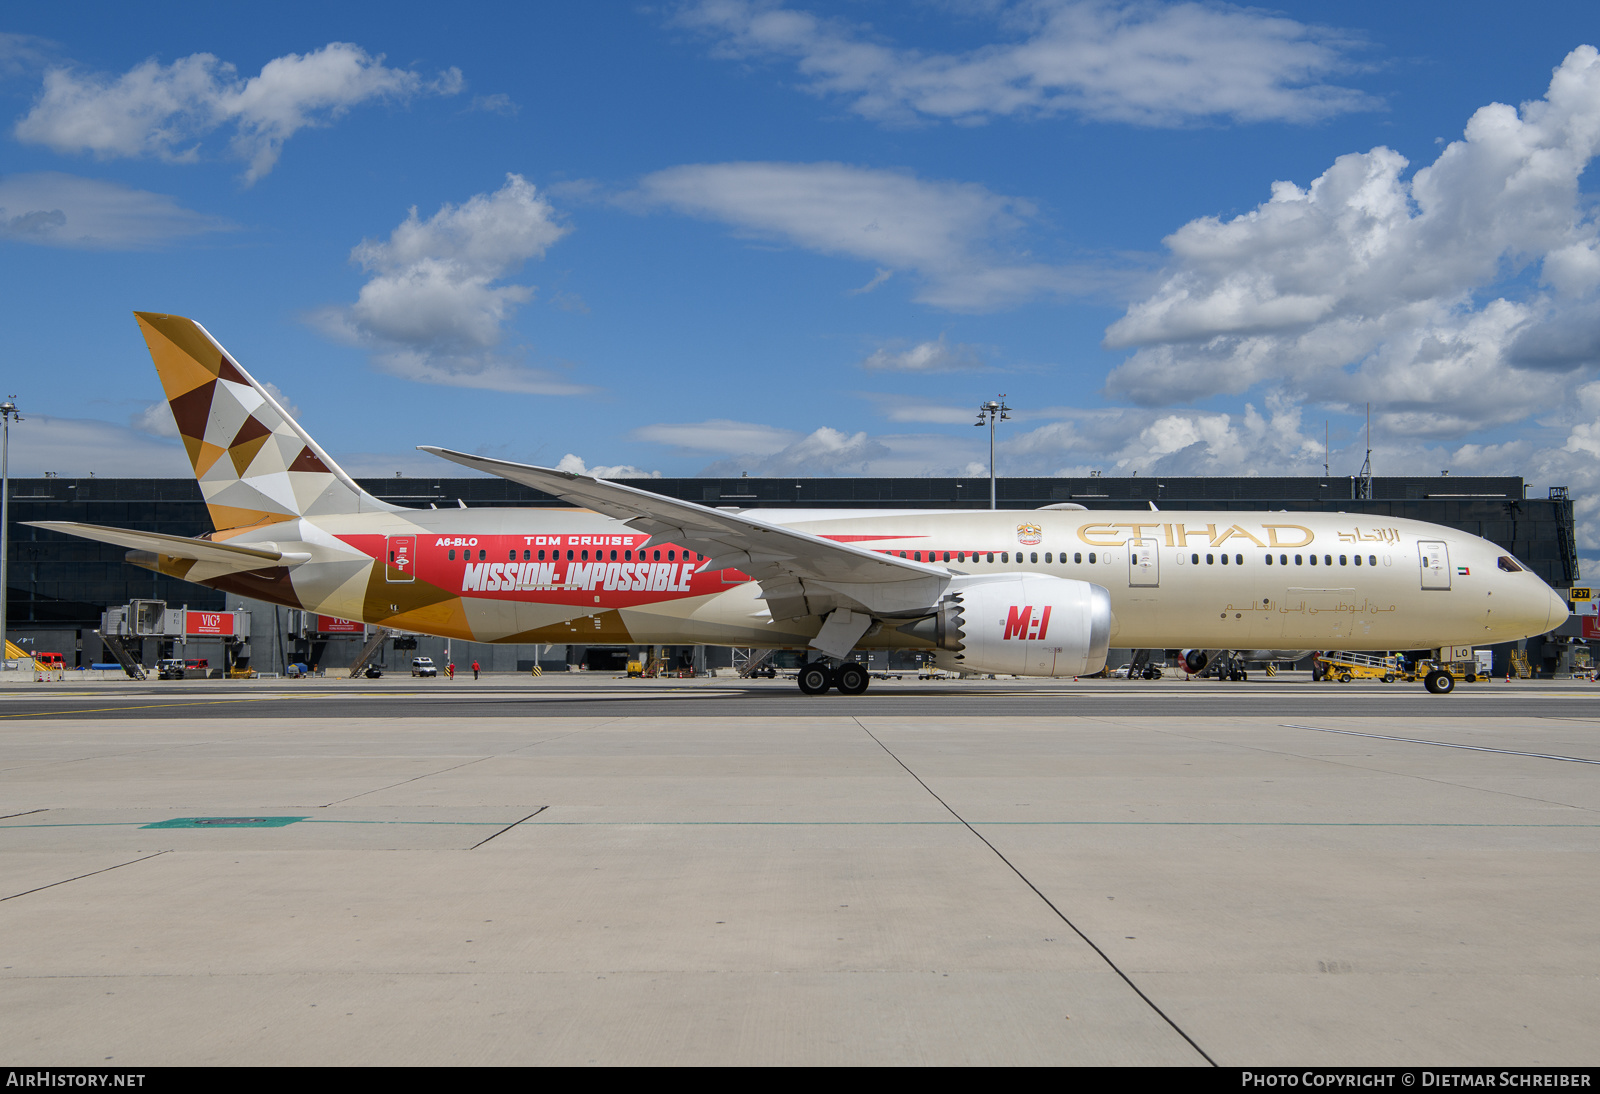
{"x": 849, "y": 677}
{"x": 1439, "y": 682}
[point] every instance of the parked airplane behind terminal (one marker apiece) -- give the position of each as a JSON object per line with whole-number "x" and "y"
{"x": 1038, "y": 593}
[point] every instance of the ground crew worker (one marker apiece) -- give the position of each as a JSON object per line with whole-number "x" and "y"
{"x": 474, "y": 670}
{"x": 450, "y": 670}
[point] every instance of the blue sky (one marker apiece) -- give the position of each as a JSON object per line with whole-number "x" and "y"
{"x": 809, "y": 238}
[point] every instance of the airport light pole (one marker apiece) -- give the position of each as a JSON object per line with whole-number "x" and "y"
{"x": 989, "y": 413}
{"x": 8, "y": 411}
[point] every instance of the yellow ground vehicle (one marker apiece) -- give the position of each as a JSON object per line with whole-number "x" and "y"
{"x": 1461, "y": 670}
{"x": 1345, "y": 666}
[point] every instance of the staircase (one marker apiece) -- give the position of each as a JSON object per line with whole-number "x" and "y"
{"x": 129, "y": 663}
{"x": 1519, "y": 664}
{"x": 751, "y": 661}
{"x": 369, "y": 652}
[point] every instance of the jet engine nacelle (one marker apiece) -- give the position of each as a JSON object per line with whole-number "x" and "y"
{"x": 1196, "y": 660}
{"x": 1023, "y": 625}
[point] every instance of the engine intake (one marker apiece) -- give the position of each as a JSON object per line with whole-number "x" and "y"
{"x": 1021, "y": 625}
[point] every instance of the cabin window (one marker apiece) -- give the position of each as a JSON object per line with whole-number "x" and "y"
{"x": 1372, "y": 560}
{"x": 1047, "y": 558}
{"x": 1077, "y": 556}
{"x": 512, "y": 555}
{"x": 1313, "y": 559}
{"x": 1269, "y": 560}
{"x": 1238, "y": 560}
{"x": 541, "y": 556}
{"x": 1283, "y": 560}
{"x": 1091, "y": 558}
{"x": 1033, "y": 556}
{"x": 1195, "y": 559}
{"x": 658, "y": 556}
{"x": 1327, "y": 560}
{"x": 452, "y": 554}
{"x": 991, "y": 556}
{"x": 1211, "y": 560}
{"x": 1358, "y": 560}
{"x": 1005, "y": 556}
{"x": 483, "y": 556}
{"x": 947, "y": 556}
{"x": 569, "y": 555}
{"x": 1344, "y": 560}
{"x": 1297, "y": 561}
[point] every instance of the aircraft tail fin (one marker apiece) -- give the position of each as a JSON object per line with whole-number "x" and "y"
{"x": 254, "y": 463}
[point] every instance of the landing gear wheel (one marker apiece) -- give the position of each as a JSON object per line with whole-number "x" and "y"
{"x": 850, "y": 678}
{"x": 815, "y": 679}
{"x": 1439, "y": 682}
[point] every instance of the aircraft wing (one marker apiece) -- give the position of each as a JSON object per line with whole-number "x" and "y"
{"x": 800, "y": 574}
{"x": 235, "y": 558}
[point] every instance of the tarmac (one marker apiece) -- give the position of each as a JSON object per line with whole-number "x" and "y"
{"x": 603, "y": 871}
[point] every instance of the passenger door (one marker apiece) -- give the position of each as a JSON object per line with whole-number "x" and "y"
{"x": 1144, "y": 564}
{"x": 1435, "y": 558}
{"x": 402, "y": 559}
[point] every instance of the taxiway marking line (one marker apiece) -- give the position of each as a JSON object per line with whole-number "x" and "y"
{"x": 143, "y": 706}
{"x": 1444, "y": 744}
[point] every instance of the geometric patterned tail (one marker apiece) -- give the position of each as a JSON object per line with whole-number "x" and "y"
{"x": 255, "y": 465}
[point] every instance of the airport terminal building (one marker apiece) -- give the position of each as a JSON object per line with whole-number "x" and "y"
{"x": 59, "y": 586}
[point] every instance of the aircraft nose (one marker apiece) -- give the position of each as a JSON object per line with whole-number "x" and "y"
{"x": 1558, "y": 609}
{"x": 1536, "y": 609}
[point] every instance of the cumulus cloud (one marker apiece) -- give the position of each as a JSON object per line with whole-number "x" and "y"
{"x": 925, "y": 357}
{"x": 79, "y": 447}
{"x": 1454, "y": 301}
{"x": 575, "y": 465}
{"x": 1140, "y": 63}
{"x": 912, "y": 408}
{"x": 56, "y": 210}
{"x": 824, "y": 451}
{"x": 436, "y": 305}
{"x": 496, "y": 104}
{"x": 24, "y": 54}
{"x": 165, "y": 111}
{"x": 949, "y": 234}
{"x": 719, "y": 435}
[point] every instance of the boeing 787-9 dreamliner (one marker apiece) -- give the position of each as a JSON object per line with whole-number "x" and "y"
{"x": 1026, "y": 593}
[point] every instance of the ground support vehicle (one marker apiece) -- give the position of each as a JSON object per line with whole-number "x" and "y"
{"x": 1345, "y": 666}
{"x": 423, "y": 666}
{"x": 1440, "y": 677}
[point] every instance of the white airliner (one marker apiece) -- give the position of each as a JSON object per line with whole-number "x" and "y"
{"x": 1026, "y": 593}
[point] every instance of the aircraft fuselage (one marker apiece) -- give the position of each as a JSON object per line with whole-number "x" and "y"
{"x": 1175, "y": 579}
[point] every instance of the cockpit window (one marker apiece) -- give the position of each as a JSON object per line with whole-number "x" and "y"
{"x": 1510, "y": 565}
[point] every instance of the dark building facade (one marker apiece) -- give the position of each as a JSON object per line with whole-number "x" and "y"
{"x": 60, "y": 582}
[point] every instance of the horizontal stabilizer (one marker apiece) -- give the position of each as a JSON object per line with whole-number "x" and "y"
{"x": 200, "y": 550}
